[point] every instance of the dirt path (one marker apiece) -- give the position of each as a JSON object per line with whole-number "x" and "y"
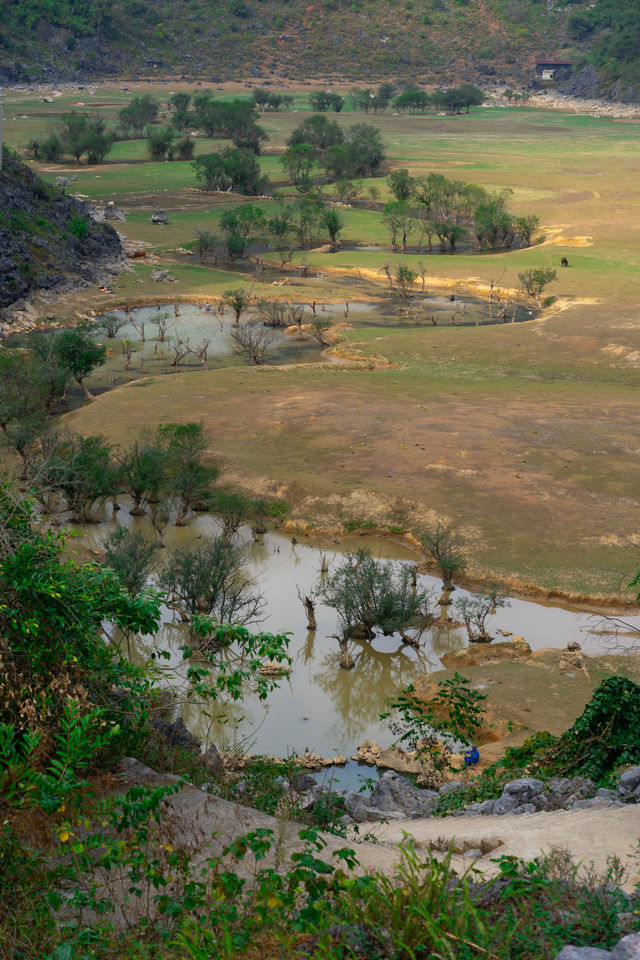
{"x": 591, "y": 837}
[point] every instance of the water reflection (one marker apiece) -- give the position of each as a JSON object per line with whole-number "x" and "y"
{"x": 321, "y": 706}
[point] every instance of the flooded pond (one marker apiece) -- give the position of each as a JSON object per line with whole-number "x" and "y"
{"x": 161, "y": 340}
{"x": 322, "y": 707}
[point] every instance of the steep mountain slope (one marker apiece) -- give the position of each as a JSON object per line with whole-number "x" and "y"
{"x": 436, "y": 40}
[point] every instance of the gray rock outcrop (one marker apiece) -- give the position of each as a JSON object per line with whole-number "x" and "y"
{"x": 47, "y": 239}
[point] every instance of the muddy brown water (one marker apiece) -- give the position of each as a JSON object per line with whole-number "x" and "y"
{"x": 320, "y": 706}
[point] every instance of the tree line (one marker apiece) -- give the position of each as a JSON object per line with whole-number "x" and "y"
{"x": 437, "y": 207}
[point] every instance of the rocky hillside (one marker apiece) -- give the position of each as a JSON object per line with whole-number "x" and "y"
{"x": 360, "y": 40}
{"x": 47, "y": 238}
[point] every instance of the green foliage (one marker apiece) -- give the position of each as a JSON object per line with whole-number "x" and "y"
{"x": 211, "y": 579}
{"x": 533, "y": 282}
{"x": 160, "y": 141}
{"x": 78, "y": 226}
{"x": 242, "y": 227}
{"x": 444, "y": 546}
{"x": 232, "y": 169}
{"x": 269, "y": 784}
{"x": 368, "y": 593}
{"x": 76, "y": 350}
{"x": 401, "y": 184}
{"x": 323, "y": 101}
{"x": 129, "y": 554}
{"x": 81, "y": 468}
{"x": 58, "y": 673}
{"x": 50, "y": 148}
{"x": 476, "y": 609}
{"x": 139, "y": 112}
{"x": 430, "y": 727}
{"x": 238, "y": 299}
{"x": 188, "y": 475}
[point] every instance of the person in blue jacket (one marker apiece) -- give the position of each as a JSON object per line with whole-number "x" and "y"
{"x": 471, "y": 756}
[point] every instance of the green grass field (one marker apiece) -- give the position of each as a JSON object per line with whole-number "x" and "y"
{"x": 523, "y": 435}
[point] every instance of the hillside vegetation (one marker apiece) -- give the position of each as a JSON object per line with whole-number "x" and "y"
{"x": 47, "y": 238}
{"x": 437, "y": 40}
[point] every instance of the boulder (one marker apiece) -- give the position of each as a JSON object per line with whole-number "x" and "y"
{"x": 111, "y": 212}
{"x": 62, "y": 181}
{"x": 505, "y": 805}
{"x": 582, "y": 953}
{"x": 159, "y": 216}
{"x": 628, "y": 948}
{"x": 393, "y": 793}
{"x": 212, "y": 760}
{"x": 629, "y": 783}
{"x": 451, "y": 787}
{"x": 162, "y": 275}
{"x": 356, "y": 805}
{"x": 523, "y": 789}
{"x": 174, "y": 733}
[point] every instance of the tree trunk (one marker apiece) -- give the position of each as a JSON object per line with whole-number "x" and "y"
{"x": 87, "y": 393}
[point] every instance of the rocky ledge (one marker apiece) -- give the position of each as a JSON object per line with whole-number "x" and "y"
{"x": 48, "y": 241}
{"x": 395, "y": 797}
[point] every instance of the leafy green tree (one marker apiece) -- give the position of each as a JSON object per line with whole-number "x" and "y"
{"x": 298, "y": 161}
{"x": 142, "y": 472}
{"x": 241, "y": 227}
{"x": 368, "y": 593}
{"x": 281, "y": 232}
{"x": 231, "y": 509}
{"x": 476, "y": 610}
{"x": 97, "y": 144}
{"x": 493, "y": 224}
{"x": 526, "y": 227}
{"x": 75, "y": 128}
{"x": 53, "y": 370}
{"x": 51, "y": 148}
{"x": 432, "y": 727}
{"x": 84, "y": 470}
{"x": 401, "y": 184}
{"x": 334, "y": 224}
{"x": 233, "y": 119}
{"x": 400, "y": 220}
{"x": 322, "y": 101}
{"x": 139, "y": 113}
{"x": 533, "y": 282}
{"x": 185, "y": 148}
{"x": 308, "y": 214}
{"x": 58, "y": 663}
{"x": 207, "y": 243}
{"x": 414, "y": 101}
{"x": 160, "y": 141}
{"x": 239, "y": 301}
{"x": 444, "y": 546}
{"x": 319, "y": 132}
{"x": 180, "y": 101}
{"x": 129, "y": 554}
{"x": 404, "y": 280}
{"x": 448, "y": 231}
{"x": 359, "y": 156}
{"x": 23, "y": 399}
{"x": 231, "y": 169}
{"x": 210, "y": 579}
{"x": 189, "y": 476}
{"x": 79, "y": 352}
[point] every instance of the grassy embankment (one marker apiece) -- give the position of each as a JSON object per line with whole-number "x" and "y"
{"x": 525, "y": 436}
